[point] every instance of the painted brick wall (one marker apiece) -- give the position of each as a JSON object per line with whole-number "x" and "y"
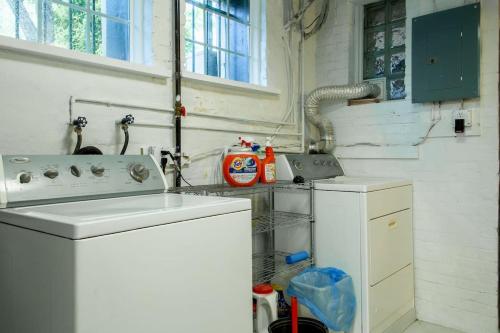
{"x": 456, "y": 178}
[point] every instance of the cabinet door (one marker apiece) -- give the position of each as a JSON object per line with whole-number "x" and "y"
{"x": 390, "y": 245}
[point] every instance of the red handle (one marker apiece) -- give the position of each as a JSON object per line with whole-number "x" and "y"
{"x": 295, "y": 317}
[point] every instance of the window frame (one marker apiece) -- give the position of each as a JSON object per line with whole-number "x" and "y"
{"x": 38, "y": 48}
{"x": 257, "y": 39}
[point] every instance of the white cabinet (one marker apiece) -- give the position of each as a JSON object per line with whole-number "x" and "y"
{"x": 364, "y": 227}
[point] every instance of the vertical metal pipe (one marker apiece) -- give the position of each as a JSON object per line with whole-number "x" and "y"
{"x": 178, "y": 94}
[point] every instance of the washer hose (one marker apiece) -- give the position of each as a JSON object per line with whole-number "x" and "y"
{"x": 79, "y": 140}
{"x": 125, "y": 144}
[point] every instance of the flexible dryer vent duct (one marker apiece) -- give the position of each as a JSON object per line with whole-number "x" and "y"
{"x": 332, "y": 93}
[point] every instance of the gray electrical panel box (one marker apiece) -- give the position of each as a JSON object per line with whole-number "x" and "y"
{"x": 445, "y": 56}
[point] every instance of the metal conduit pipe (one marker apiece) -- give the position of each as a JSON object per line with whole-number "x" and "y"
{"x": 332, "y": 93}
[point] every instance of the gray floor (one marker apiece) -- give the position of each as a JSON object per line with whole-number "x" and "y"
{"x": 423, "y": 327}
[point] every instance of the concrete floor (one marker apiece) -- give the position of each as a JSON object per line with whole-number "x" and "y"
{"x": 423, "y": 327}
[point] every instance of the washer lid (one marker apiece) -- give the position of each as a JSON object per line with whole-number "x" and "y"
{"x": 359, "y": 184}
{"x": 77, "y": 220}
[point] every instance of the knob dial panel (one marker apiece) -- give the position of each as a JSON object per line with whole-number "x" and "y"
{"x": 139, "y": 172}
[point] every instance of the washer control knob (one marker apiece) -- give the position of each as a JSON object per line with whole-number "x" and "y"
{"x": 51, "y": 173}
{"x": 316, "y": 162}
{"x": 25, "y": 178}
{"x": 75, "y": 171}
{"x": 298, "y": 164}
{"x": 139, "y": 172}
{"x": 97, "y": 171}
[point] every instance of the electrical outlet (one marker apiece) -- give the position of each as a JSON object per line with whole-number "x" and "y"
{"x": 466, "y": 115}
{"x": 185, "y": 160}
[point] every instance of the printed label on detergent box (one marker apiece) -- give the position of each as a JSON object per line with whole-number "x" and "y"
{"x": 243, "y": 170}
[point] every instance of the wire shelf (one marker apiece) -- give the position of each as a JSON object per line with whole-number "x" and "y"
{"x": 227, "y": 190}
{"x": 269, "y": 266}
{"x": 277, "y": 220}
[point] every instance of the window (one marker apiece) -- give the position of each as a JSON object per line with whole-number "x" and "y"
{"x": 384, "y": 45}
{"x": 119, "y": 29}
{"x": 223, "y": 38}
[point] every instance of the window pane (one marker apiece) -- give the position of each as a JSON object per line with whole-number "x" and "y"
{"x": 214, "y": 29}
{"x": 213, "y": 62}
{"x": 98, "y": 46}
{"x": 199, "y": 59}
{"x": 375, "y": 15}
{"x": 80, "y": 3}
{"x": 398, "y": 37}
{"x": 217, "y": 4}
{"x": 114, "y": 8}
{"x": 56, "y": 18}
{"x": 116, "y": 37}
{"x": 398, "y": 63}
{"x": 240, "y": 9}
{"x": 224, "y": 28}
{"x": 238, "y": 68}
{"x": 224, "y": 65}
{"x": 7, "y": 19}
{"x": 397, "y": 89}
{"x": 374, "y": 41}
{"x": 28, "y": 20}
{"x": 188, "y": 56}
{"x": 198, "y": 25}
{"x": 398, "y": 9}
{"x": 238, "y": 37}
{"x": 78, "y": 23}
{"x": 188, "y": 27}
{"x": 374, "y": 66}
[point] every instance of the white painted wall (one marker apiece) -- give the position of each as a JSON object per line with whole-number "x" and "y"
{"x": 456, "y": 180}
{"x": 35, "y": 93}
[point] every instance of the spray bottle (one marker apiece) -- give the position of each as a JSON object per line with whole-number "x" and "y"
{"x": 268, "y": 164}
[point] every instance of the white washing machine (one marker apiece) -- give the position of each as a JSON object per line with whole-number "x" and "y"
{"x": 364, "y": 227}
{"x": 92, "y": 244}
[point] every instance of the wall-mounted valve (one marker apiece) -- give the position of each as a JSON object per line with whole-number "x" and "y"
{"x": 80, "y": 122}
{"x": 128, "y": 120}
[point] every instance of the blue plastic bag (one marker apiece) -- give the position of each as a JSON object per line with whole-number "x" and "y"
{"x": 328, "y": 293}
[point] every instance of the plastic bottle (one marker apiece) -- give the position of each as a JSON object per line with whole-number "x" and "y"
{"x": 266, "y": 307}
{"x": 241, "y": 165}
{"x": 283, "y": 307}
{"x": 268, "y": 174}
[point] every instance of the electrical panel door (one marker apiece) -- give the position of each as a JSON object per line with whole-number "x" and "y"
{"x": 445, "y": 56}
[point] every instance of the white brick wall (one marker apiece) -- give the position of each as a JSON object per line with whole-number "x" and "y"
{"x": 456, "y": 180}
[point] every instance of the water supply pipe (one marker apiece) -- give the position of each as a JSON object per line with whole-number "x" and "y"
{"x": 178, "y": 95}
{"x": 332, "y": 93}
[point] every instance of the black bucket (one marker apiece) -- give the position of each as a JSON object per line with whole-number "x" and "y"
{"x": 306, "y": 325}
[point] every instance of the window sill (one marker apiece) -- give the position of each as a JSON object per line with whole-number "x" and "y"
{"x": 231, "y": 84}
{"x": 74, "y": 57}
